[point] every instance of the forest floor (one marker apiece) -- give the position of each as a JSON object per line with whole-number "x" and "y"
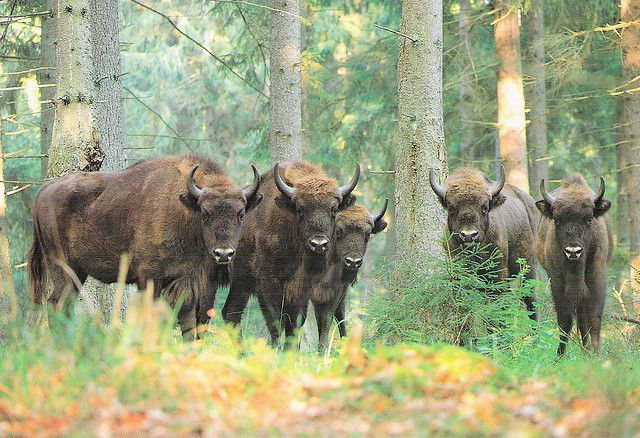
{"x": 136, "y": 378}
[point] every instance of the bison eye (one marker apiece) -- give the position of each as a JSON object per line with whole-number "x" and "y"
{"x": 485, "y": 208}
{"x": 589, "y": 221}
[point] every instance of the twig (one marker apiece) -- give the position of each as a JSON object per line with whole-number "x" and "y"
{"x": 18, "y": 17}
{"x": 258, "y": 5}
{"x": 158, "y": 116}
{"x": 20, "y": 88}
{"x": 214, "y": 56}
{"x": 626, "y": 319}
{"x": 18, "y": 190}
{"x": 22, "y": 72}
{"x": 114, "y": 77}
{"x": 396, "y": 32}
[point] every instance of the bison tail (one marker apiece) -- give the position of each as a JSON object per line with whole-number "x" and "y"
{"x": 36, "y": 267}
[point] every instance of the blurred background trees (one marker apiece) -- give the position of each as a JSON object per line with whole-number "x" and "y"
{"x": 195, "y": 78}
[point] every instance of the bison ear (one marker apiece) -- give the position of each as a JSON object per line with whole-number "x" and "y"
{"x": 284, "y": 202}
{"x": 253, "y": 201}
{"x": 189, "y": 201}
{"x": 379, "y": 226}
{"x": 544, "y": 208}
{"x": 347, "y": 202}
{"x": 497, "y": 201}
{"x": 601, "y": 208}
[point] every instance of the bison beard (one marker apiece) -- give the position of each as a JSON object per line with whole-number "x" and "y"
{"x": 574, "y": 244}
{"x": 179, "y": 218}
{"x": 283, "y": 248}
{"x": 496, "y": 214}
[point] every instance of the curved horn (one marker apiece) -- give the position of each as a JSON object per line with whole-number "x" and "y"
{"x": 499, "y": 184}
{"x": 250, "y": 191}
{"x": 348, "y": 188}
{"x": 437, "y": 188}
{"x": 600, "y": 193}
{"x": 191, "y": 186}
{"x": 548, "y": 198}
{"x": 380, "y": 215}
{"x": 282, "y": 186}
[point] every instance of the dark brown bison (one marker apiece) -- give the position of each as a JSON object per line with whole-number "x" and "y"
{"x": 497, "y": 214}
{"x": 179, "y": 219}
{"x": 284, "y": 245}
{"x": 354, "y": 226}
{"x": 574, "y": 244}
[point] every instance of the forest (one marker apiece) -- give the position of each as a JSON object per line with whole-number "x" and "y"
{"x": 319, "y": 217}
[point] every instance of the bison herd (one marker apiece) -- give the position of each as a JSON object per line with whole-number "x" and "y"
{"x": 294, "y": 235}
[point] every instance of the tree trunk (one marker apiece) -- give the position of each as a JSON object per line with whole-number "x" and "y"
{"x": 48, "y": 76}
{"x": 464, "y": 110}
{"x": 630, "y": 11}
{"x": 511, "y": 119}
{"x": 536, "y": 94}
{"x": 419, "y": 215}
{"x": 74, "y": 143}
{"x": 8, "y": 301}
{"x": 285, "y": 94}
{"x": 108, "y": 114}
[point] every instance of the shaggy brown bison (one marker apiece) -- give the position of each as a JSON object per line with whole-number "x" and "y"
{"x": 179, "y": 219}
{"x": 354, "y": 226}
{"x": 283, "y": 247}
{"x": 574, "y": 244}
{"x": 497, "y": 214}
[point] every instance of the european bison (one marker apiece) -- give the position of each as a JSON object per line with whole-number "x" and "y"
{"x": 179, "y": 218}
{"x": 354, "y": 226}
{"x": 496, "y": 214}
{"x": 284, "y": 244}
{"x": 574, "y": 244}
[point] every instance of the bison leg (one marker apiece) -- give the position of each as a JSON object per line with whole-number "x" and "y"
{"x": 584, "y": 323}
{"x": 270, "y": 299}
{"x": 324, "y": 317}
{"x": 341, "y": 319}
{"x": 239, "y": 293}
{"x": 293, "y": 317}
{"x": 563, "y": 305}
{"x": 187, "y": 321}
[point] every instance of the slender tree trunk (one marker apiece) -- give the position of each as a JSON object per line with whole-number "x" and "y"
{"x": 511, "y": 118}
{"x": 465, "y": 110}
{"x": 8, "y": 301}
{"x": 48, "y": 76}
{"x": 622, "y": 221}
{"x": 108, "y": 114}
{"x": 74, "y": 144}
{"x": 419, "y": 216}
{"x": 630, "y": 11}
{"x": 536, "y": 94}
{"x": 285, "y": 133}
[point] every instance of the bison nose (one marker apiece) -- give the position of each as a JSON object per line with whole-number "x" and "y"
{"x": 223, "y": 255}
{"x": 353, "y": 262}
{"x": 319, "y": 244}
{"x": 573, "y": 252}
{"x": 469, "y": 235}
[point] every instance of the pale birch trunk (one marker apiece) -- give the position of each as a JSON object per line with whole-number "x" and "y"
{"x": 47, "y": 76}
{"x": 465, "y": 112}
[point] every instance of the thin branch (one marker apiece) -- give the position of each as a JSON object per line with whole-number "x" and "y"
{"x": 258, "y": 5}
{"x": 21, "y": 16}
{"x": 22, "y": 72}
{"x": 626, "y": 319}
{"x": 157, "y": 115}
{"x": 214, "y": 56}
{"x": 396, "y": 32}
{"x": 18, "y": 190}
{"x": 20, "y": 88}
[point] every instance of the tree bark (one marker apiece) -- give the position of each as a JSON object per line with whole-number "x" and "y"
{"x": 419, "y": 215}
{"x": 630, "y": 11}
{"x": 511, "y": 118}
{"x": 285, "y": 94}
{"x": 8, "y": 301}
{"x": 536, "y": 94}
{"x": 48, "y": 76}
{"x": 465, "y": 110}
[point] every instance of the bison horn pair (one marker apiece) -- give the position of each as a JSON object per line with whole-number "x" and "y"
{"x": 290, "y": 191}
{"x": 377, "y": 217}
{"x": 250, "y": 191}
{"x": 494, "y": 189}
{"x": 549, "y": 199}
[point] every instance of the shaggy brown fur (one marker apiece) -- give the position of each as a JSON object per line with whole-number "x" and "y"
{"x": 85, "y": 221}
{"x": 274, "y": 260}
{"x": 578, "y": 285}
{"x": 504, "y": 221}
{"x": 354, "y": 226}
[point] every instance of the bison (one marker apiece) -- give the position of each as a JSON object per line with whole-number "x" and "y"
{"x": 354, "y": 226}
{"x": 179, "y": 219}
{"x": 284, "y": 245}
{"x": 574, "y": 244}
{"x": 497, "y": 214}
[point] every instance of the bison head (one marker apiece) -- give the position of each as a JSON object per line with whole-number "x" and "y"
{"x": 468, "y": 198}
{"x": 316, "y": 200}
{"x": 354, "y": 226}
{"x": 221, "y": 206}
{"x": 572, "y": 208}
